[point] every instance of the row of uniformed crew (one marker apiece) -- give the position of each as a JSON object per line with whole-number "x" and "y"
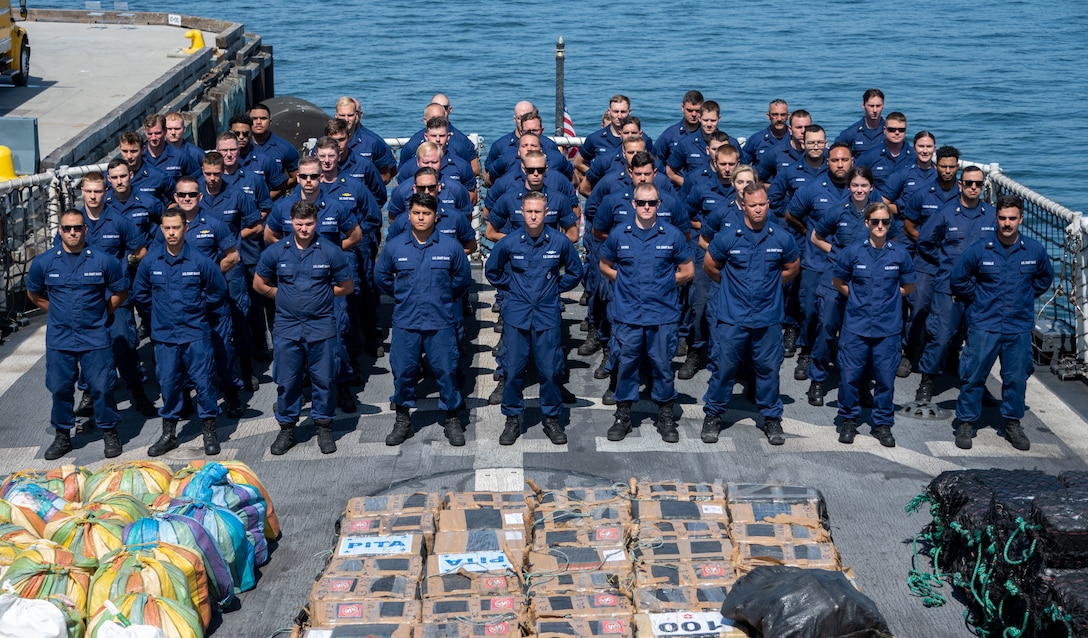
{"x": 347, "y": 182}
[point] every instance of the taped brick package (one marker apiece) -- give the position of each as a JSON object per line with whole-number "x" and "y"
{"x": 494, "y": 500}
{"x": 603, "y": 536}
{"x": 373, "y": 566}
{"x": 474, "y": 608}
{"x": 580, "y": 496}
{"x": 371, "y": 630}
{"x": 682, "y": 598}
{"x": 582, "y": 516}
{"x": 509, "y": 541}
{"x": 465, "y": 583}
{"x": 332, "y": 613}
{"x": 484, "y": 518}
{"x": 411, "y": 523}
{"x": 808, "y": 555}
{"x": 645, "y": 510}
{"x": 669, "y": 530}
{"x": 469, "y": 629}
{"x": 575, "y": 559}
{"x": 778, "y": 533}
{"x": 357, "y": 588}
{"x": 698, "y": 573}
{"x": 708, "y": 624}
{"x": 363, "y": 506}
{"x": 707, "y": 549}
{"x": 580, "y": 582}
{"x": 479, "y": 561}
{"x": 678, "y": 491}
{"x": 359, "y": 545}
{"x": 587, "y": 605}
{"x": 759, "y": 512}
{"x": 814, "y": 505}
{"x": 570, "y": 627}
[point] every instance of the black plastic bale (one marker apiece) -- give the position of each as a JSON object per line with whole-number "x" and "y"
{"x": 1066, "y": 610}
{"x": 1062, "y": 520}
{"x": 1073, "y": 478}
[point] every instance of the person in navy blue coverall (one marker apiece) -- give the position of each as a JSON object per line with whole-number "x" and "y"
{"x": 533, "y": 265}
{"x": 182, "y": 287}
{"x": 303, "y": 273}
{"x": 426, "y": 273}
{"x": 998, "y": 278}
{"x": 869, "y": 130}
{"x": 79, "y": 288}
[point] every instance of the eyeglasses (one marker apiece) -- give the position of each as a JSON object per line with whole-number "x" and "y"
{"x": 309, "y": 175}
{"x": 186, "y": 194}
{"x": 819, "y": 144}
{"x": 647, "y": 202}
{"x": 880, "y": 221}
{"x": 78, "y": 228}
{"x": 426, "y": 188}
{"x": 976, "y": 183}
{"x": 895, "y": 129}
{"x": 529, "y": 170}
{"x": 240, "y": 133}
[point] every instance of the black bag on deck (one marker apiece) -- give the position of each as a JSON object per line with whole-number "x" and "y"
{"x": 790, "y": 602}
{"x": 1073, "y": 478}
{"x": 1062, "y": 518}
{"x": 1067, "y": 602}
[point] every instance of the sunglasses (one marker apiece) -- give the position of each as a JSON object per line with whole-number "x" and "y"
{"x": 426, "y": 188}
{"x": 972, "y": 182}
{"x": 78, "y": 228}
{"x": 529, "y": 170}
{"x": 647, "y": 202}
{"x": 186, "y": 194}
{"x": 895, "y": 129}
{"x": 240, "y": 133}
{"x": 309, "y": 175}
{"x": 880, "y": 221}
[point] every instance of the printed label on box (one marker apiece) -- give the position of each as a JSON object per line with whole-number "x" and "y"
{"x": 607, "y": 533}
{"x": 687, "y": 623}
{"x": 513, "y": 518}
{"x": 613, "y": 627}
{"x": 713, "y": 509}
{"x": 374, "y": 545}
{"x": 474, "y": 562}
{"x": 604, "y": 600}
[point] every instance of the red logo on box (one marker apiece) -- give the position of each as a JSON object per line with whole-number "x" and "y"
{"x": 502, "y": 603}
{"x": 495, "y": 582}
{"x": 497, "y": 629}
{"x": 607, "y": 534}
{"x": 360, "y": 524}
{"x": 604, "y": 600}
{"x": 613, "y": 627}
{"x": 349, "y": 611}
{"x": 341, "y": 584}
{"x": 712, "y": 570}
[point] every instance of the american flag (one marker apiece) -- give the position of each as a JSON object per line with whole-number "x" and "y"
{"x": 568, "y": 130}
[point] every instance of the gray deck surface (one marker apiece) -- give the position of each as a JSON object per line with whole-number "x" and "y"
{"x": 866, "y": 485}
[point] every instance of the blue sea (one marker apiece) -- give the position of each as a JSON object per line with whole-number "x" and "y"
{"x": 1004, "y": 82}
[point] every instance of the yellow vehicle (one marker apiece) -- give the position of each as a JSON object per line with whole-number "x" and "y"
{"x": 14, "y": 45}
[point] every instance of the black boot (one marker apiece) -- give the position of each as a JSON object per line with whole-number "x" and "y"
{"x": 285, "y": 440}
{"x": 233, "y": 404}
{"x": 666, "y": 423}
{"x": 800, "y": 373}
{"x": 140, "y": 401}
{"x": 621, "y": 427}
{"x": 402, "y": 427}
{"x": 691, "y": 365}
{"x": 609, "y": 394}
{"x": 86, "y": 405}
{"x": 815, "y": 393}
{"x": 602, "y": 370}
{"x": 167, "y": 441}
{"x": 591, "y": 344}
{"x": 345, "y": 399}
{"x": 712, "y": 425}
{"x": 924, "y": 393}
{"x": 454, "y": 430}
{"x": 849, "y": 431}
{"x": 112, "y": 443}
{"x": 789, "y": 341}
{"x": 61, "y": 445}
{"x": 211, "y": 436}
{"x": 554, "y": 430}
{"x": 495, "y": 398}
{"x": 325, "y": 442}
{"x": 250, "y": 382}
{"x": 511, "y": 431}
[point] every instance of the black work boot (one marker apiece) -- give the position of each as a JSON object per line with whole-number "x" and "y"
{"x": 86, "y": 404}
{"x": 402, "y": 427}
{"x": 849, "y": 431}
{"x": 1014, "y": 434}
{"x": 666, "y": 423}
{"x": 167, "y": 441}
{"x": 345, "y": 399}
{"x": 591, "y": 344}
{"x": 454, "y": 430}
{"x": 569, "y": 397}
{"x": 233, "y": 404}
{"x": 712, "y": 425}
{"x": 772, "y": 428}
{"x": 883, "y": 433}
{"x": 621, "y": 427}
{"x": 924, "y": 393}
{"x": 140, "y": 401}
{"x": 495, "y": 398}
{"x": 609, "y": 395}
{"x": 61, "y": 445}
{"x": 250, "y": 382}
{"x": 964, "y": 433}
{"x": 800, "y": 373}
{"x": 682, "y": 350}
{"x": 511, "y": 431}
{"x": 112, "y": 443}
{"x": 285, "y": 440}
{"x": 602, "y": 371}
{"x": 815, "y": 393}
{"x": 789, "y": 341}
{"x": 692, "y": 364}
{"x": 554, "y": 430}
{"x": 208, "y": 429}
{"x": 325, "y": 442}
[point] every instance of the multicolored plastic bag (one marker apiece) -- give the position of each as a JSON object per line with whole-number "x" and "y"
{"x": 132, "y": 477}
{"x": 88, "y": 534}
{"x": 241, "y": 474}
{"x": 127, "y": 572}
{"x": 190, "y": 533}
{"x": 24, "y": 517}
{"x": 36, "y": 498}
{"x": 67, "y": 481}
{"x": 47, "y": 571}
{"x": 175, "y": 619}
{"x": 230, "y": 535}
{"x": 126, "y": 506}
{"x": 213, "y": 484}
{"x": 189, "y": 561}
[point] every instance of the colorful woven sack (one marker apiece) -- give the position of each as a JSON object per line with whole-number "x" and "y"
{"x": 24, "y": 517}
{"x": 176, "y": 620}
{"x": 230, "y": 535}
{"x": 67, "y": 481}
{"x": 36, "y": 498}
{"x": 126, "y": 506}
{"x": 87, "y": 533}
{"x": 132, "y": 477}
{"x": 125, "y": 573}
{"x": 29, "y": 618}
{"x": 241, "y": 474}
{"x": 189, "y": 561}
{"x": 157, "y": 502}
{"x": 46, "y": 571}
{"x": 12, "y": 533}
{"x": 188, "y": 532}
{"x": 213, "y": 484}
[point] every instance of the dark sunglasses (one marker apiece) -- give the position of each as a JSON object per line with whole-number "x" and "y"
{"x": 78, "y": 228}
{"x": 536, "y": 169}
{"x": 427, "y": 188}
{"x": 309, "y": 175}
{"x": 186, "y": 194}
{"x": 880, "y": 221}
{"x": 647, "y": 202}
{"x": 896, "y": 129}
{"x": 972, "y": 182}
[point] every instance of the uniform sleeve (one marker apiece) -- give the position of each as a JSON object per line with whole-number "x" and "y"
{"x": 495, "y": 266}
{"x": 567, "y": 218}
{"x": 116, "y": 280}
{"x": 712, "y": 225}
{"x": 499, "y": 217}
{"x": 372, "y": 179}
{"x": 906, "y": 268}
{"x": 468, "y": 177}
{"x": 461, "y": 273}
{"x": 827, "y": 225}
{"x": 141, "y": 286}
{"x": 929, "y": 239}
{"x": 843, "y": 266}
{"x": 776, "y": 195}
{"x": 465, "y": 232}
{"x": 559, "y": 162}
{"x": 266, "y": 266}
{"x": 35, "y": 278}
{"x": 408, "y": 151}
{"x": 341, "y": 269}
{"x": 596, "y": 170}
{"x": 215, "y": 287}
{"x": 274, "y": 222}
{"x": 397, "y": 203}
{"x": 290, "y": 158}
{"x": 370, "y": 212}
{"x": 718, "y": 249}
{"x": 573, "y": 268}
{"x": 131, "y": 235}
{"x": 1044, "y": 273}
{"x": 396, "y": 227}
{"x": 345, "y": 220}
{"x": 248, "y": 212}
{"x": 800, "y": 204}
{"x": 965, "y": 273}
{"x": 683, "y": 253}
{"x": 912, "y": 210}
{"x": 607, "y": 251}
{"x": 602, "y": 221}
{"x": 224, "y": 239}
{"x": 790, "y": 251}
{"x": 461, "y": 201}
{"x": 261, "y": 197}
{"x": 383, "y": 271}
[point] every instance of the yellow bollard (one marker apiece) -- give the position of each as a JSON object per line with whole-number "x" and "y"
{"x": 196, "y": 41}
{"x": 7, "y": 164}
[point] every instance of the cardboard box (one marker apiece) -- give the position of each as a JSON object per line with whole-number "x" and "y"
{"x": 649, "y": 531}
{"x": 480, "y": 561}
{"x": 463, "y": 584}
{"x": 362, "y": 588}
{"x": 582, "y": 516}
{"x": 683, "y": 598}
{"x": 580, "y": 627}
{"x": 707, "y": 549}
{"x": 412, "y": 523}
{"x": 678, "y": 574}
{"x": 590, "y": 605}
{"x": 768, "y": 512}
{"x": 580, "y": 559}
{"x": 581, "y": 497}
{"x": 335, "y": 613}
{"x": 363, "y": 506}
{"x": 615, "y": 582}
{"x": 679, "y": 491}
{"x": 375, "y": 630}
{"x": 495, "y": 500}
{"x": 601, "y": 536}
{"x": 778, "y": 534}
{"x": 359, "y": 545}
{"x": 374, "y": 566}
{"x": 748, "y": 492}
{"x": 644, "y": 510}
{"x": 484, "y": 518}
{"x": 475, "y": 608}
{"x": 462, "y": 629}
{"x": 510, "y": 541}
{"x": 686, "y": 624}
{"x": 811, "y": 555}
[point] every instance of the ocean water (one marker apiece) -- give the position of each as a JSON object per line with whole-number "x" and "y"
{"x": 1003, "y": 82}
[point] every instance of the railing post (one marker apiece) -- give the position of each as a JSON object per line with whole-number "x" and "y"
{"x": 559, "y": 95}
